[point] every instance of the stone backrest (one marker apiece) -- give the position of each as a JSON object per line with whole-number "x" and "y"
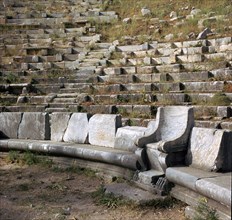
{"x": 174, "y": 126}
{"x": 103, "y": 128}
{"x": 28, "y": 125}
{"x": 81, "y": 128}
{"x": 9, "y": 124}
{"x": 210, "y": 149}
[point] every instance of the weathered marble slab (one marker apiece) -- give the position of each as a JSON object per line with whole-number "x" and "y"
{"x": 59, "y": 123}
{"x": 210, "y": 149}
{"x": 102, "y": 129}
{"x": 34, "y": 125}
{"x": 78, "y": 128}
{"x": 9, "y": 124}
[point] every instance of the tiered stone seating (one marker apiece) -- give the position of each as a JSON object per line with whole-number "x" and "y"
{"x": 59, "y": 54}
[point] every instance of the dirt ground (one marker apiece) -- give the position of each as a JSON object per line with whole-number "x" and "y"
{"x": 39, "y": 192}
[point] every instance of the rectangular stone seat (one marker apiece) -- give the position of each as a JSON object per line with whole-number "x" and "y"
{"x": 84, "y": 151}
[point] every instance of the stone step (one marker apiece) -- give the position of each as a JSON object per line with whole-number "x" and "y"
{"x": 64, "y": 100}
{"x": 222, "y": 74}
{"x": 204, "y": 98}
{"x": 215, "y": 86}
{"x": 131, "y": 193}
{"x": 50, "y": 110}
{"x": 189, "y": 76}
{"x": 6, "y": 100}
{"x": 46, "y": 89}
{"x": 148, "y": 179}
{"x": 25, "y": 108}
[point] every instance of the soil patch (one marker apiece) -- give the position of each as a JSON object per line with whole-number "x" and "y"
{"x": 39, "y": 192}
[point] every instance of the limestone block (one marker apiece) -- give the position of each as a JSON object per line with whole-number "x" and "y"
{"x": 145, "y": 11}
{"x": 9, "y": 124}
{"x": 204, "y": 33}
{"x": 171, "y": 97}
{"x": 59, "y": 123}
{"x": 190, "y": 58}
{"x": 145, "y": 69}
{"x": 195, "y": 43}
{"x": 78, "y": 127}
{"x": 104, "y": 109}
{"x": 128, "y": 70}
{"x": 111, "y": 71}
{"x": 130, "y": 48}
{"x": 210, "y": 149}
{"x": 149, "y": 177}
{"x": 34, "y": 125}
{"x": 103, "y": 128}
{"x": 226, "y": 125}
{"x": 127, "y": 136}
{"x": 204, "y": 86}
{"x": 224, "y": 111}
{"x": 143, "y": 109}
{"x": 142, "y": 78}
{"x": 169, "y": 68}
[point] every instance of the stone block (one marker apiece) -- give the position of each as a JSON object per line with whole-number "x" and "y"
{"x": 142, "y": 78}
{"x": 224, "y": 111}
{"x": 190, "y": 58}
{"x": 59, "y": 123}
{"x": 169, "y": 68}
{"x": 186, "y": 76}
{"x": 103, "y": 109}
{"x": 103, "y": 128}
{"x": 34, "y": 125}
{"x": 130, "y": 193}
{"x": 216, "y": 188}
{"x": 149, "y": 177}
{"x": 143, "y": 109}
{"x": 187, "y": 176}
{"x": 204, "y": 86}
{"x": 174, "y": 98}
{"x": 210, "y": 149}
{"x": 111, "y": 71}
{"x": 126, "y": 137}
{"x": 128, "y": 70}
{"x": 77, "y": 129}
{"x": 145, "y": 69}
{"x": 9, "y": 124}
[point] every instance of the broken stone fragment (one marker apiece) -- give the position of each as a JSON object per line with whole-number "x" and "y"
{"x": 145, "y": 11}
{"x": 204, "y": 33}
{"x": 126, "y": 20}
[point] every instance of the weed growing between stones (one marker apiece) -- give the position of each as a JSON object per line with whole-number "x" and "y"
{"x": 203, "y": 211}
{"x": 167, "y": 202}
{"x": 219, "y": 99}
